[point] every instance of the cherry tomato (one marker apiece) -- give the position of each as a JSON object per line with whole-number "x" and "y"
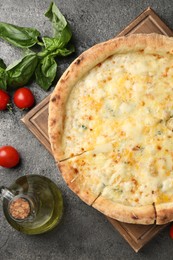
{"x": 4, "y": 100}
{"x": 23, "y": 98}
{"x": 171, "y": 231}
{"x": 9, "y": 156}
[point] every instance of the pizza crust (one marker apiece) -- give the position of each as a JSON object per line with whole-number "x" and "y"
{"x": 151, "y": 43}
{"x": 135, "y": 215}
{"x": 164, "y": 213}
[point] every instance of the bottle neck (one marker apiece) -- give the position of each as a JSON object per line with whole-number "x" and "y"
{"x": 20, "y": 207}
{"x": 5, "y": 193}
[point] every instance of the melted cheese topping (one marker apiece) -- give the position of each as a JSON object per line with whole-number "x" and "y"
{"x": 127, "y": 103}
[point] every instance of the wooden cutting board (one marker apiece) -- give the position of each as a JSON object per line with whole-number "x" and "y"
{"x": 36, "y": 121}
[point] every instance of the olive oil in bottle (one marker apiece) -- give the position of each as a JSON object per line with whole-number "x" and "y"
{"x": 33, "y": 204}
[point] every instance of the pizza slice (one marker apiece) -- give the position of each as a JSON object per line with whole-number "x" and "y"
{"x": 107, "y": 179}
{"x": 82, "y": 173}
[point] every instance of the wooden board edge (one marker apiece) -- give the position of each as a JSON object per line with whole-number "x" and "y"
{"x": 136, "y": 246}
{"x": 147, "y": 12}
{"x": 37, "y": 134}
{"x": 27, "y": 120}
{"x": 34, "y": 110}
{"x": 135, "y": 22}
{"x": 130, "y": 240}
{"x": 162, "y": 25}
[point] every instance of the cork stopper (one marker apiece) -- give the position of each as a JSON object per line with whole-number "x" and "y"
{"x": 19, "y": 208}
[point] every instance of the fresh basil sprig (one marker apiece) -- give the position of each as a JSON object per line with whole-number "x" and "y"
{"x": 22, "y": 37}
{"x": 42, "y": 63}
{"x": 56, "y": 46}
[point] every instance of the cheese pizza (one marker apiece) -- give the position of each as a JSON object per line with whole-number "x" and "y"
{"x": 111, "y": 128}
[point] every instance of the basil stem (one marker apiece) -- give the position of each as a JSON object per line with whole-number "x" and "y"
{"x": 63, "y": 51}
{"x": 22, "y": 37}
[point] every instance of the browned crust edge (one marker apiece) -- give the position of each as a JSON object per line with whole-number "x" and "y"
{"x": 135, "y": 215}
{"x": 164, "y": 213}
{"x": 150, "y": 43}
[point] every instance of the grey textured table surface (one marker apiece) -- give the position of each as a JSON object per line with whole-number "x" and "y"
{"x": 84, "y": 233}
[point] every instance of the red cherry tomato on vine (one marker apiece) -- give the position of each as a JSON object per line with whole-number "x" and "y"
{"x": 4, "y": 100}
{"x": 23, "y": 98}
{"x": 9, "y": 156}
{"x": 171, "y": 231}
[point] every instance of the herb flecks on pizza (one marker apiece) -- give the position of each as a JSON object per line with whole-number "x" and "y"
{"x": 111, "y": 128}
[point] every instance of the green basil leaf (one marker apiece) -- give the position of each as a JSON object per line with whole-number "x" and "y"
{"x": 58, "y": 20}
{"x": 2, "y": 64}
{"x": 19, "y": 73}
{"x": 22, "y": 37}
{"x": 3, "y": 81}
{"x": 66, "y": 35}
{"x": 61, "y": 29}
{"x": 52, "y": 44}
{"x": 46, "y": 72}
